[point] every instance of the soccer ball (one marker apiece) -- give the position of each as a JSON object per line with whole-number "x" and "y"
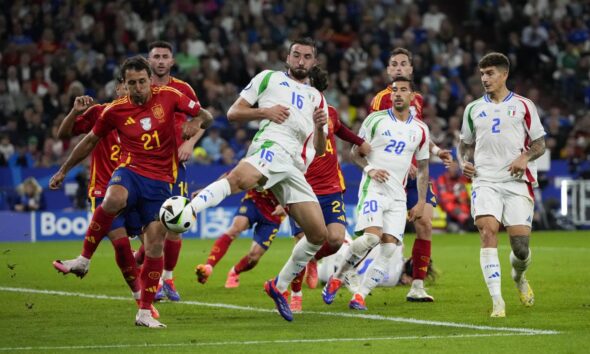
{"x": 174, "y": 217}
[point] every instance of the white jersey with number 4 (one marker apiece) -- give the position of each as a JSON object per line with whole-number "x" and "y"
{"x": 295, "y": 135}
{"x": 501, "y": 132}
{"x": 393, "y": 145}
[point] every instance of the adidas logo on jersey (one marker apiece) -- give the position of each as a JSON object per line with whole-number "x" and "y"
{"x": 129, "y": 121}
{"x": 284, "y": 83}
{"x": 482, "y": 115}
{"x": 386, "y": 133}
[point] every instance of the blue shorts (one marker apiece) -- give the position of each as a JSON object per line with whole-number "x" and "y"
{"x": 129, "y": 220}
{"x": 265, "y": 230}
{"x": 181, "y": 185}
{"x": 145, "y": 196}
{"x": 333, "y": 209}
{"x": 412, "y": 192}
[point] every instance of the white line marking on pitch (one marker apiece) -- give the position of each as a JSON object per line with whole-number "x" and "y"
{"x": 262, "y": 342}
{"x": 334, "y": 314}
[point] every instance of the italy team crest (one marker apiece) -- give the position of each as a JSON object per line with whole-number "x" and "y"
{"x": 511, "y": 111}
{"x": 146, "y": 123}
{"x": 158, "y": 111}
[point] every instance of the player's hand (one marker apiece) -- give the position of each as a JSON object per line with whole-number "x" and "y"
{"x": 279, "y": 211}
{"x": 379, "y": 175}
{"x": 56, "y": 180}
{"x": 320, "y": 118}
{"x": 82, "y": 103}
{"x": 364, "y": 149}
{"x": 468, "y": 169}
{"x": 189, "y": 129}
{"x": 446, "y": 157}
{"x": 185, "y": 151}
{"x": 276, "y": 113}
{"x": 413, "y": 171}
{"x": 417, "y": 211}
{"x": 518, "y": 166}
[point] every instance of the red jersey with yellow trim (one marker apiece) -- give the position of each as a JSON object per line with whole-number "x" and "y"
{"x": 185, "y": 88}
{"x": 382, "y": 101}
{"x": 324, "y": 174}
{"x": 266, "y": 202}
{"x": 105, "y": 156}
{"x": 147, "y": 132}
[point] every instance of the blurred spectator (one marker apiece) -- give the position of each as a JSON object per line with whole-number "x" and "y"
{"x": 30, "y": 196}
{"x": 240, "y": 143}
{"x": 213, "y": 143}
{"x": 453, "y": 196}
{"x": 6, "y": 148}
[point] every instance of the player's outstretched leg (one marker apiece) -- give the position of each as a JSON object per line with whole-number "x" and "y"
{"x": 78, "y": 266}
{"x": 279, "y": 298}
{"x": 172, "y": 248}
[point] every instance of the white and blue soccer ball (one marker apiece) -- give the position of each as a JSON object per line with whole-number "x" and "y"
{"x": 174, "y": 216}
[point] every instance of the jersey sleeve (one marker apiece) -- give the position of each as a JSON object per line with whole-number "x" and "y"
{"x": 532, "y": 121}
{"x": 423, "y": 151}
{"x": 104, "y": 123}
{"x": 184, "y": 104}
{"x": 84, "y": 122}
{"x": 467, "y": 131}
{"x": 256, "y": 87}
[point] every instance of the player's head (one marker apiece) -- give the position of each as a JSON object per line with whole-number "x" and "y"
{"x": 402, "y": 93}
{"x": 318, "y": 78}
{"x": 301, "y": 58}
{"x": 408, "y": 272}
{"x": 120, "y": 88}
{"x": 161, "y": 58}
{"x": 400, "y": 63}
{"x": 494, "y": 68}
{"x": 136, "y": 72}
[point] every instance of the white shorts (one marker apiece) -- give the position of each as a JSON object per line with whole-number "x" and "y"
{"x": 511, "y": 203}
{"x": 379, "y": 210}
{"x": 285, "y": 180}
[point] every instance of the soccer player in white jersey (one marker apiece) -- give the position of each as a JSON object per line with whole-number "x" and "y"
{"x": 501, "y": 136}
{"x": 395, "y": 137}
{"x": 292, "y": 131}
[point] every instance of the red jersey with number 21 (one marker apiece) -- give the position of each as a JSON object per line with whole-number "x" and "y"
{"x": 147, "y": 132}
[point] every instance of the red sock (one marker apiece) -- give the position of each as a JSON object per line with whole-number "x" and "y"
{"x": 244, "y": 265}
{"x": 297, "y": 282}
{"x": 218, "y": 250}
{"x": 150, "y": 277}
{"x": 420, "y": 258}
{"x": 325, "y": 251}
{"x": 171, "y": 253}
{"x": 99, "y": 226}
{"x": 126, "y": 262}
{"x": 139, "y": 255}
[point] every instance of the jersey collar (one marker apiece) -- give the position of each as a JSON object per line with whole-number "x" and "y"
{"x": 486, "y": 97}
{"x": 392, "y": 116}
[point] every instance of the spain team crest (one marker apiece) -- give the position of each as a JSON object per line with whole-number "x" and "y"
{"x": 158, "y": 111}
{"x": 146, "y": 123}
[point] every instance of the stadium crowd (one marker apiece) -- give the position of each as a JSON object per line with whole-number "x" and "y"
{"x": 53, "y": 51}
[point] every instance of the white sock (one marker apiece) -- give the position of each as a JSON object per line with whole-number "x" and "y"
{"x": 83, "y": 259}
{"x": 418, "y": 284}
{"x": 519, "y": 265}
{"x": 136, "y": 295}
{"x": 377, "y": 269}
{"x": 297, "y": 293}
{"x": 211, "y": 195}
{"x": 490, "y": 267}
{"x": 302, "y": 253}
{"x": 167, "y": 274}
{"x": 357, "y": 250}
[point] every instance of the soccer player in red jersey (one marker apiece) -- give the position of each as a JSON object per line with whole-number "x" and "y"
{"x": 325, "y": 177}
{"x": 149, "y": 164}
{"x": 400, "y": 64}
{"x": 260, "y": 210}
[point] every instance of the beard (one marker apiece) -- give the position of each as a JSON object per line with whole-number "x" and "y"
{"x": 299, "y": 73}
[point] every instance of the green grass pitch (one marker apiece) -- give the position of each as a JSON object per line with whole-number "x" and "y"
{"x": 42, "y": 311}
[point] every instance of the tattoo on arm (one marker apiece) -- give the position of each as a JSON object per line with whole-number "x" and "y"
{"x": 423, "y": 179}
{"x": 536, "y": 149}
{"x": 466, "y": 151}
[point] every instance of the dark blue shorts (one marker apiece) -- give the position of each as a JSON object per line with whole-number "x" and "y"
{"x": 146, "y": 195}
{"x": 181, "y": 185}
{"x": 130, "y": 220}
{"x": 412, "y": 192}
{"x": 333, "y": 209}
{"x": 264, "y": 230}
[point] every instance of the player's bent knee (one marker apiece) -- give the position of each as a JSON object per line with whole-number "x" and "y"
{"x": 520, "y": 246}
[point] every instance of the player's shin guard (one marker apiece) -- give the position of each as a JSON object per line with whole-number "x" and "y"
{"x": 244, "y": 265}
{"x": 297, "y": 283}
{"x": 211, "y": 195}
{"x": 219, "y": 249}
{"x": 357, "y": 250}
{"x": 377, "y": 269}
{"x": 490, "y": 267}
{"x": 99, "y": 226}
{"x": 150, "y": 276}
{"x": 171, "y": 253}
{"x": 126, "y": 262}
{"x": 420, "y": 258}
{"x": 139, "y": 255}
{"x": 302, "y": 253}
{"x": 519, "y": 265}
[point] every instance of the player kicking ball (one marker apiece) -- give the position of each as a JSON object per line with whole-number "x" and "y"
{"x": 395, "y": 137}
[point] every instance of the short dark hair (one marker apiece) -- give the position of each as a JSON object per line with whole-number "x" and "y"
{"x": 119, "y": 78}
{"x": 307, "y": 41}
{"x": 160, "y": 44}
{"x": 494, "y": 59}
{"x": 137, "y": 63}
{"x": 404, "y": 51}
{"x": 403, "y": 79}
{"x": 318, "y": 78}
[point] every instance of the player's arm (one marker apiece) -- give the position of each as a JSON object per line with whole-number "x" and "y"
{"x": 193, "y": 130}
{"x": 81, "y": 104}
{"x": 348, "y": 135}
{"x": 361, "y": 161}
{"x": 320, "y": 118}
{"x": 242, "y": 111}
{"x": 443, "y": 154}
{"x": 422, "y": 184}
{"x": 466, "y": 153}
{"x": 536, "y": 150}
{"x": 80, "y": 152}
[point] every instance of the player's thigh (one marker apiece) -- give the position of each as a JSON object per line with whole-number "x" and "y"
{"x": 334, "y": 215}
{"x": 309, "y": 216}
{"x": 244, "y": 176}
{"x": 488, "y": 227}
{"x": 264, "y": 233}
{"x": 486, "y": 200}
{"x": 370, "y": 210}
{"x": 394, "y": 221}
{"x": 518, "y": 205}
